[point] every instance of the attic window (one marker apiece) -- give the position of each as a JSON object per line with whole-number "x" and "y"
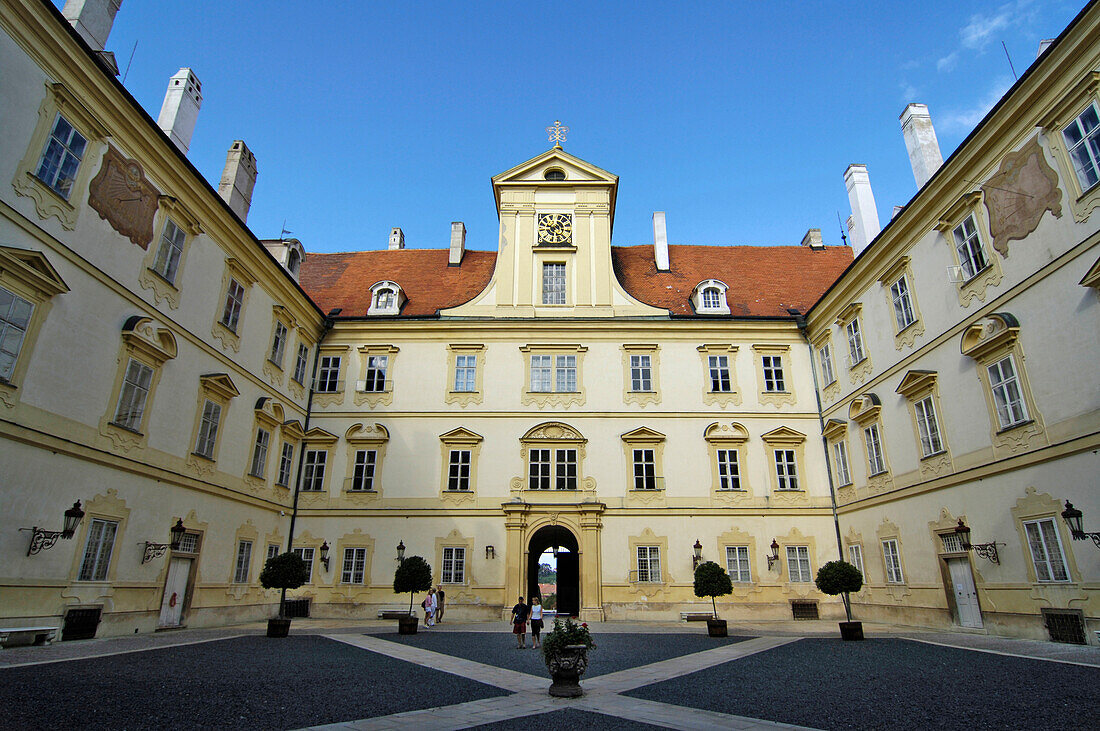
{"x": 293, "y": 261}
{"x": 386, "y": 299}
{"x": 709, "y": 298}
{"x": 554, "y": 174}
{"x": 712, "y": 298}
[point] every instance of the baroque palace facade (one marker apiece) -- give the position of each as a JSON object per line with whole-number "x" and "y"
{"x": 769, "y": 408}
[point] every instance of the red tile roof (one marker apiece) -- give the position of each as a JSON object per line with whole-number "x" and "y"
{"x": 762, "y": 280}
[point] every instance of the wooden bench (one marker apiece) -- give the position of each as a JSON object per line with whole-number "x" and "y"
{"x": 42, "y": 635}
{"x": 394, "y": 613}
{"x": 695, "y": 616}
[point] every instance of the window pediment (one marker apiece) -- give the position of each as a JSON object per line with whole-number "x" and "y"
{"x": 835, "y": 429}
{"x": 732, "y": 432}
{"x": 317, "y": 435}
{"x": 461, "y": 436}
{"x": 916, "y": 382}
{"x": 1092, "y": 277}
{"x": 849, "y": 313}
{"x": 268, "y": 411}
{"x": 865, "y": 408}
{"x": 992, "y": 333}
{"x": 366, "y": 434}
{"x": 33, "y": 269}
{"x": 156, "y": 343}
{"x": 958, "y": 211}
{"x": 219, "y": 384}
{"x": 553, "y": 431}
{"x": 292, "y": 429}
{"x": 895, "y": 271}
{"x": 783, "y": 435}
{"x": 643, "y": 435}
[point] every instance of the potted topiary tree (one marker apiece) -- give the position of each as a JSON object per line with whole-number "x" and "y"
{"x": 284, "y": 571}
{"x": 565, "y": 650}
{"x": 841, "y": 577}
{"x": 413, "y": 574}
{"x": 712, "y": 580}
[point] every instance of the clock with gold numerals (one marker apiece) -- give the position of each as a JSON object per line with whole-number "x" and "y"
{"x": 555, "y": 228}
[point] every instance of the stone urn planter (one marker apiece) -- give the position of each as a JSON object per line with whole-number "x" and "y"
{"x": 407, "y": 625}
{"x": 566, "y": 668}
{"x": 717, "y": 628}
{"x": 851, "y": 630}
{"x": 278, "y": 627}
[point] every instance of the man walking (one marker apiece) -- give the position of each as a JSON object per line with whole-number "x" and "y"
{"x": 519, "y": 623}
{"x": 440, "y": 598}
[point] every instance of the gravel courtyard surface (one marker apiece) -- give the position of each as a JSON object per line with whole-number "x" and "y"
{"x": 567, "y": 720}
{"x": 614, "y": 651}
{"x": 245, "y": 682}
{"x": 890, "y": 683}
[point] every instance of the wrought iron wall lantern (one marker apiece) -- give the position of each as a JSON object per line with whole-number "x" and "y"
{"x": 774, "y": 555}
{"x": 156, "y": 550}
{"x": 490, "y": 552}
{"x": 44, "y": 539}
{"x": 698, "y": 557}
{"x": 1074, "y": 518}
{"x": 324, "y": 554}
{"x": 985, "y": 550}
{"x": 401, "y": 551}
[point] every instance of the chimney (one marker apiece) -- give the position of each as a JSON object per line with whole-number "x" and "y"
{"x": 660, "y": 241}
{"x": 1043, "y": 46}
{"x": 92, "y": 19}
{"x": 458, "y": 243}
{"x": 864, "y": 225}
{"x": 181, "y": 108}
{"x": 397, "y": 238}
{"x": 921, "y": 142}
{"x": 813, "y": 239}
{"x": 238, "y": 179}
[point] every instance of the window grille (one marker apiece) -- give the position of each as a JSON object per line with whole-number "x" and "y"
{"x": 1065, "y": 625}
{"x": 804, "y": 610}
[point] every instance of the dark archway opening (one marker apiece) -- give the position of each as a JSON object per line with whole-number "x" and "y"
{"x": 568, "y": 566}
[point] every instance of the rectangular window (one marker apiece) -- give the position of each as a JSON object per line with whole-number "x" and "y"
{"x": 855, "y": 342}
{"x": 825, "y": 355}
{"x": 306, "y": 554}
{"x": 466, "y": 373}
{"x": 1007, "y": 396}
{"x": 645, "y": 470}
{"x": 798, "y": 563}
{"x": 892, "y": 558}
{"x": 729, "y": 476}
{"x": 649, "y": 563}
{"x": 272, "y": 550}
{"x": 565, "y": 467}
{"x": 135, "y": 390}
{"x": 928, "y": 426}
{"x": 300, "y": 363}
{"x": 278, "y": 344}
{"x": 61, "y": 158}
{"x": 540, "y": 373}
{"x": 314, "y": 478}
{"x": 903, "y": 304}
{"x": 375, "y": 380}
{"x": 328, "y": 375}
{"x": 719, "y": 373}
{"x": 259, "y": 453}
{"x": 458, "y": 470}
{"x": 208, "y": 429}
{"x": 737, "y": 563}
{"x": 1083, "y": 141}
{"x": 952, "y": 543}
{"x": 565, "y": 374}
{"x": 234, "y": 300}
{"x": 1046, "y": 550}
{"x": 969, "y": 248}
{"x": 362, "y": 477}
{"x": 840, "y": 458}
{"x": 454, "y": 565}
{"x": 189, "y": 543}
{"x": 355, "y": 566}
{"x": 169, "y": 252}
{"x": 540, "y": 469}
{"x": 875, "y": 461}
{"x": 15, "y": 317}
{"x": 773, "y": 373}
{"x": 785, "y": 469}
{"x": 244, "y": 558}
{"x": 641, "y": 373}
{"x": 553, "y": 284}
{"x": 855, "y": 557}
{"x": 97, "y": 552}
{"x": 286, "y": 463}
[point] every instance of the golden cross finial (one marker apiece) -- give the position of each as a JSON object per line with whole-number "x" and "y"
{"x": 557, "y": 133}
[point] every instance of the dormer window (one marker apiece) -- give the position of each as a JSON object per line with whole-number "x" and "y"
{"x": 386, "y": 299}
{"x": 709, "y": 298}
{"x": 293, "y": 262}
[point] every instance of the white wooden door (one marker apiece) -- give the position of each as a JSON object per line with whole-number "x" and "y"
{"x": 175, "y": 587}
{"x": 966, "y": 596}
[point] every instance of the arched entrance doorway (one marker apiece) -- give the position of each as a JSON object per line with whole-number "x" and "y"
{"x": 569, "y": 575}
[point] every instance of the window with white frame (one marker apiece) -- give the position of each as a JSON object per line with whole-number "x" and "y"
{"x": 541, "y": 372}
{"x": 208, "y": 429}
{"x": 61, "y": 158}
{"x": 1007, "y": 396}
{"x": 300, "y": 363}
{"x": 259, "y": 453}
{"x": 328, "y": 374}
{"x": 891, "y": 556}
{"x": 1046, "y": 550}
{"x": 272, "y": 551}
{"x": 855, "y": 342}
{"x": 645, "y": 470}
{"x": 355, "y": 566}
{"x": 876, "y": 463}
{"x": 286, "y": 464}
{"x": 314, "y": 478}
{"x": 1083, "y": 142}
{"x": 798, "y": 563}
{"x": 786, "y": 470}
{"x": 709, "y": 297}
{"x": 565, "y": 373}
{"x": 855, "y": 556}
{"x": 719, "y": 366}
{"x": 458, "y": 470}
{"x": 189, "y": 543}
{"x": 466, "y": 373}
{"x": 840, "y": 462}
{"x": 561, "y": 472}
{"x": 825, "y": 356}
{"x": 729, "y": 476}
{"x": 969, "y": 248}
{"x": 306, "y": 554}
{"x": 903, "y": 303}
{"x": 454, "y": 565}
{"x": 554, "y": 373}
{"x": 773, "y": 373}
{"x": 169, "y": 251}
{"x": 132, "y": 397}
{"x": 15, "y": 318}
{"x": 737, "y": 563}
{"x": 375, "y": 376}
{"x": 244, "y": 558}
{"x": 649, "y": 564}
{"x": 712, "y": 298}
{"x": 278, "y": 344}
{"x": 928, "y": 427}
{"x": 362, "y": 476}
{"x": 553, "y": 283}
{"x": 952, "y": 542}
{"x": 234, "y": 301}
{"x": 98, "y": 550}
{"x": 641, "y": 372}
{"x": 385, "y": 299}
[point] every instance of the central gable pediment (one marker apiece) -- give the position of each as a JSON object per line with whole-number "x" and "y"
{"x": 576, "y": 171}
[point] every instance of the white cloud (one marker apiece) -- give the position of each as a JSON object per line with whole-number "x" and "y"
{"x": 985, "y": 28}
{"x": 964, "y": 120}
{"x": 909, "y": 92}
{"x": 947, "y": 63}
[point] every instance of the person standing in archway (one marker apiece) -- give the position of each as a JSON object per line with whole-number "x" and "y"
{"x": 519, "y": 623}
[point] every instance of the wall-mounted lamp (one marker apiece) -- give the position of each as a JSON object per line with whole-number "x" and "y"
{"x": 156, "y": 550}
{"x": 324, "y": 554}
{"x": 698, "y": 557}
{"x": 44, "y": 539}
{"x": 985, "y": 550}
{"x": 775, "y": 554}
{"x": 1074, "y": 518}
{"x": 401, "y": 551}
{"x": 490, "y": 552}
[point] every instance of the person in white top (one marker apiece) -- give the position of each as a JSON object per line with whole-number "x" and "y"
{"x": 429, "y": 608}
{"x": 536, "y": 620}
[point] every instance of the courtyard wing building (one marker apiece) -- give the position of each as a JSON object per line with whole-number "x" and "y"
{"x": 632, "y": 407}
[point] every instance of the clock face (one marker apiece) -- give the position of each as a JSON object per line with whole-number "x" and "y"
{"x": 555, "y": 228}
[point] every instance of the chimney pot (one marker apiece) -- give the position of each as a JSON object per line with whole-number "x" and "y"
{"x": 92, "y": 19}
{"x": 238, "y": 179}
{"x": 660, "y": 242}
{"x": 181, "y": 106}
{"x": 921, "y": 142}
{"x": 863, "y": 225}
{"x": 397, "y": 239}
{"x": 458, "y": 244}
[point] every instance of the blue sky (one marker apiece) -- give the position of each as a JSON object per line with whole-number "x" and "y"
{"x": 736, "y": 118}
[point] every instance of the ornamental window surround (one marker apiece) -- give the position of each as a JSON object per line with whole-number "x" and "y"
{"x": 268, "y": 416}
{"x": 897, "y": 282}
{"x": 719, "y": 376}
{"x": 891, "y": 556}
{"x": 825, "y": 358}
{"x": 1045, "y": 548}
{"x": 145, "y": 349}
{"x": 866, "y": 411}
{"x": 1072, "y": 130}
{"x": 641, "y": 373}
{"x": 60, "y": 160}
{"x": 216, "y": 391}
{"x": 387, "y": 298}
{"x": 919, "y": 387}
{"x": 836, "y": 435}
{"x": 775, "y": 386}
{"x": 459, "y": 450}
{"x": 726, "y": 444}
{"x": 466, "y": 365}
{"x": 377, "y": 365}
{"x": 28, "y": 283}
{"x": 365, "y": 455}
{"x": 553, "y": 460}
{"x": 709, "y": 298}
{"x": 236, "y": 285}
{"x": 644, "y": 451}
{"x": 798, "y": 564}
{"x": 965, "y": 230}
{"x": 787, "y": 453}
{"x": 849, "y": 321}
{"x": 554, "y": 374}
{"x": 169, "y": 251}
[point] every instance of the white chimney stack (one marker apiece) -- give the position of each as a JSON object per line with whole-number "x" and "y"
{"x": 458, "y": 243}
{"x": 397, "y": 239}
{"x": 180, "y": 110}
{"x": 921, "y": 142}
{"x": 660, "y": 242}
{"x": 813, "y": 239}
{"x": 864, "y": 227}
{"x": 238, "y": 179}
{"x": 92, "y": 19}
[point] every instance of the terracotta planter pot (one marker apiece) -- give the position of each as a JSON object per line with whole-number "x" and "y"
{"x": 716, "y": 628}
{"x": 278, "y": 627}
{"x": 566, "y": 668}
{"x": 407, "y": 625}
{"x": 851, "y": 630}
